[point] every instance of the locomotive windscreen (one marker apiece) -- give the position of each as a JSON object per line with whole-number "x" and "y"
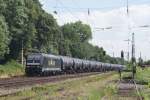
{"x": 33, "y": 61}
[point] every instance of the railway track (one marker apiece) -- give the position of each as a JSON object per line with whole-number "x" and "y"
{"x": 138, "y": 91}
{"x": 19, "y": 82}
{"x": 129, "y": 90}
{"x": 28, "y": 81}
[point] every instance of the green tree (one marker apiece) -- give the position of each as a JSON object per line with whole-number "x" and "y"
{"x": 30, "y": 27}
{"x": 18, "y": 25}
{"x": 77, "y": 36}
{"x": 77, "y": 32}
{"x": 4, "y": 37}
{"x": 3, "y": 6}
{"x": 48, "y": 34}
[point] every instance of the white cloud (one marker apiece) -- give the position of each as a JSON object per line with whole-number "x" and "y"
{"x": 113, "y": 40}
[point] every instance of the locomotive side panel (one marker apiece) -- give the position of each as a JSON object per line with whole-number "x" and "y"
{"x": 51, "y": 63}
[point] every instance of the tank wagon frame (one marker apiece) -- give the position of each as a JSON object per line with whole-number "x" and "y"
{"x": 39, "y": 64}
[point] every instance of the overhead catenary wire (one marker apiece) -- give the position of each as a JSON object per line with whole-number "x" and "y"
{"x": 68, "y": 10}
{"x": 89, "y": 11}
{"x": 57, "y": 12}
{"x": 78, "y": 6}
{"x": 87, "y": 14}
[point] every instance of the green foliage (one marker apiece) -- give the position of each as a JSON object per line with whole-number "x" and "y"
{"x": 48, "y": 33}
{"x": 18, "y": 26}
{"x": 147, "y": 62}
{"x": 2, "y": 6}
{"x": 30, "y": 27}
{"x": 140, "y": 61}
{"x": 4, "y": 37}
{"x": 143, "y": 76}
{"x": 12, "y": 68}
{"x": 77, "y": 32}
{"x": 76, "y": 37}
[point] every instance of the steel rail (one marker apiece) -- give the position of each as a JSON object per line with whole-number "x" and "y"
{"x": 137, "y": 90}
{"x": 40, "y": 80}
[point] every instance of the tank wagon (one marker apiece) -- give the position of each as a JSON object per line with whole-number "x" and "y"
{"x": 39, "y": 64}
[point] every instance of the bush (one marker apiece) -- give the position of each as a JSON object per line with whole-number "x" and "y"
{"x": 11, "y": 68}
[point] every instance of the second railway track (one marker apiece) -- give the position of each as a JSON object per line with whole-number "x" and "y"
{"x": 128, "y": 89}
{"x": 28, "y": 81}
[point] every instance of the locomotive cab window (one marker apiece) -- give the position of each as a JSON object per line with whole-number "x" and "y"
{"x": 33, "y": 61}
{"x": 29, "y": 61}
{"x": 36, "y": 61}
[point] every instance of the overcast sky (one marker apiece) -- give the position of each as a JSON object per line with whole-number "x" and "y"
{"x": 108, "y": 14}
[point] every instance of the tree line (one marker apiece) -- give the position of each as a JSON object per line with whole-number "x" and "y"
{"x": 24, "y": 24}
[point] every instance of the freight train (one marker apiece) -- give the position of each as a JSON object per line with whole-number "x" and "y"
{"x": 48, "y": 64}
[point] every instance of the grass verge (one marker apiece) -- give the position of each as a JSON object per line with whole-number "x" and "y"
{"x": 143, "y": 76}
{"x": 11, "y": 68}
{"x": 93, "y": 87}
